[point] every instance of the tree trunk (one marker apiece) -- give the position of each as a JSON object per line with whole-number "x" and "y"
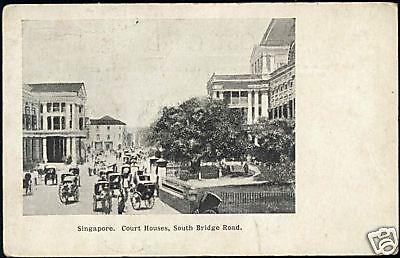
{"x": 195, "y": 166}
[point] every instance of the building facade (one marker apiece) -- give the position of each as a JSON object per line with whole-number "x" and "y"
{"x": 269, "y": 90}
{"x": 106, "y": 134}
{"x": 53, "y": 122}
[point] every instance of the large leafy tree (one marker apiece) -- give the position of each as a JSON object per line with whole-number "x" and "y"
{"x": 275, "y": 140}
{"x": 199, "y": 129}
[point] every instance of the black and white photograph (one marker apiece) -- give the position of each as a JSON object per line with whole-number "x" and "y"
{"x": 191, "y": 129}
{"x": 158, "y": 116}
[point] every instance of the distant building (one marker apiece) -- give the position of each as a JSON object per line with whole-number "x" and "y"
{"x": 130, "y": 139}
{"x": 269, "y": 90}
{"x": 107, "y": 134}
{"x": 53, "y": 122}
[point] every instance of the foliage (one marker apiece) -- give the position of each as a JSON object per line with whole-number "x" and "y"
{"x": 186, "y": 175}
{"x": 275, "y": 140}
{"x": 208, "y": 172}
{"x": 199, "y": 129}
{"x": 281, "y": 173}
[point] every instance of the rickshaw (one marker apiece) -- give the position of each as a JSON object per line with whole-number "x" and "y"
{"x": 143, "y": 191}
{"x": 133, "y": 159}
{"x": 75, "y": 172}
{"x": 68, "y": 188}
{"x": 108, "y": 173}
{"x": 208, "y": 204}
{"x": 40, "y": 169}
{"x": 115, "y": 180}
{"x": 102, "y": 174}
{"x": 112, "y": 167}
{"x": 50, "y": 174}
{"x": 126, "y": 160}
{"x": 27, "y": 183}
{"x": 102, "y": 194}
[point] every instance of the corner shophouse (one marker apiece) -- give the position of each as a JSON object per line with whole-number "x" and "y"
{"x": 106, "y": 134}
{"x": 53, "y": 122}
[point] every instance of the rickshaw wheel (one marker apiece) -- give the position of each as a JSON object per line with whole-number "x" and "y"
{"x": 135, "y": 201}
{"x": 106, "y": 206}
{"x": 60, "y": 194}
{"x": 149, "y": 202}
{"x": 77, "y": 195}
{"x": 94, "y": 204}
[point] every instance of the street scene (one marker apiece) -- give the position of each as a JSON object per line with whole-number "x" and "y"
{"x": 134, "y": 117}
{"x": 49, "y": 195}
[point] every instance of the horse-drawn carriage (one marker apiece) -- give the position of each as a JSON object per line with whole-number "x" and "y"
{"x": 68, "y": 188}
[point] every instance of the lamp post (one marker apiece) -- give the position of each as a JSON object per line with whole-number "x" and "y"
{"x": 161, "y": 172}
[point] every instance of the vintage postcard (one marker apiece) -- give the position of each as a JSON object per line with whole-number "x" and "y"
{"x": 211, "y": 129}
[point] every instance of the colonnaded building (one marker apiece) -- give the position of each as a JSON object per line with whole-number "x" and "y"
{"x": 269, "y": 89}
{"x": 53, "y": 122}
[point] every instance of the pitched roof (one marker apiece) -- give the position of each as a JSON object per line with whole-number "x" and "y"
{"x": 106, "y": 120}
{"x": 227, "y": 77}
{"x": 238, "y": 85}
{"x": 56, "y": 87}
{"x": 280, "y": 32}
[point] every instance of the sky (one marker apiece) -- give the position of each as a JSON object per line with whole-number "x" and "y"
{"x": 132, "y": 68}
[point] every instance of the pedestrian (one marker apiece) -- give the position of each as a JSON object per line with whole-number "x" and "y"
{"x": 246, "y": 168}
{"x": 121, "y": 202}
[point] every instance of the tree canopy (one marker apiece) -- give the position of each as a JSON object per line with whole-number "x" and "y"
{"x": 275, "y": 140}
{"x": 200, "y": 129}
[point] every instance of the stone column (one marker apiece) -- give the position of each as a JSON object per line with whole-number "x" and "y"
{"x": 221, "y": 95}
{"x": 264, "y": 104}
{"x": 73, "y": 117}
{"x": 249, "y": 117}
{"x": 293, "y": 111}
{"x": 68, "y": 146}
{"x": 73, "y": 149}
{"x": 44, "y": 115}
{"x": 29, "y": 149}
{"x": 256, "y": 106}
{"x": 214, "y": 95}
{"x": 36, "y": 150}
{"x": 265, "y": 67}
{"x": 271, "y": 64}
{"x": 44, "y": 150}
